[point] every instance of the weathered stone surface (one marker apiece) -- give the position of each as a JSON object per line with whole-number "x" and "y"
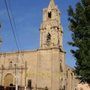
{"x": 45, "y": 67}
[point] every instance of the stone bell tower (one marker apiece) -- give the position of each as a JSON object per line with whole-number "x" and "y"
{"x": 51, "y": 54}
{"x": 51, "y": 29}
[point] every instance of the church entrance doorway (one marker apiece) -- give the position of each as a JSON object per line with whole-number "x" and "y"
{"x": 9, "y": 82}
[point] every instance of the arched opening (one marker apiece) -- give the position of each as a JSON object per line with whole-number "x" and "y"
{"x": 30, "y": 84}
{"x": 61, "y": 69}
{"x": 48, "y": 39}
{"x": 49, "y": 14}
{"x": 8, "y": 80}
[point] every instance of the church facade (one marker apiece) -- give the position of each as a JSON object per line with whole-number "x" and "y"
{"x": 44, "y": 68}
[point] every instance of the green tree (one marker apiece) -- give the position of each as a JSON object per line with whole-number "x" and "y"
{"x": 0, "y": 25}
{"x": 79, "y": 25}
{"x": 0, "y": 37}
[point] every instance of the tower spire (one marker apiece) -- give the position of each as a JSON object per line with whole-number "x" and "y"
{"x": 52, "y": 4}
{"x": 51, "y": 30}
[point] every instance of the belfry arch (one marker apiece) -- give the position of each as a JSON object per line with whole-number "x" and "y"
{"x": 9, "y": 79}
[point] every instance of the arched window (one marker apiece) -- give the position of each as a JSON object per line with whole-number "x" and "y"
{"x": 10, "y": 64}
{"x": 48, "y": 38}
{"x": 49, "y": 14}
{"x": 46, "y": 88}
{"x": 81, "y": 88}
{"x": 30, "y": 83}
{"x": 61, "y": 70}
{"x": 67, "y": 73}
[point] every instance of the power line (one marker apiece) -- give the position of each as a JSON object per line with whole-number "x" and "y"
{"x": 12, "y": 27}
{"x": 14, "y": 38}
{"x": 13, "y": 20}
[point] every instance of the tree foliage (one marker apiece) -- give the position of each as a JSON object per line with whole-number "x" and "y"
{"x": 79, "y": 24}
{"x": 0, "y": 37}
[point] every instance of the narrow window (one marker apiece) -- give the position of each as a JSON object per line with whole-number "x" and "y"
{"x": 81, "y": 88}
{"x": 29, "y": 83}
{"x": 10, "y": 64}
{"x": 61, "y": 70}
{"x": 49, "y": 14}
{"x": 46, "y": 88}
{"x": 48, "y": 38}
{"x": 67, "y": 73}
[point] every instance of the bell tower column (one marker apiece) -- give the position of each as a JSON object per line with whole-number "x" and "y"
{"x": 51, "y": 54}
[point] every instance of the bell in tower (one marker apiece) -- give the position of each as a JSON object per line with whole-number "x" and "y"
{"x": 51, "y": 29}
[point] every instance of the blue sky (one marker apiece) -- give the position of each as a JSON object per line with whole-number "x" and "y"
{"x": 28, "y": 17}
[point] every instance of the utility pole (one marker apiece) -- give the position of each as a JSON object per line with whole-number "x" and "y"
{"x": 1, "y": 73}
{"x": 1, "y": 54}
{"x": 25, "y": 74}
{"x": 16, "y": 76}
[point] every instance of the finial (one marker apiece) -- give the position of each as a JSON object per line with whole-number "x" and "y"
{"x": 52, "y": 0}
{"x": 52, "y": 4}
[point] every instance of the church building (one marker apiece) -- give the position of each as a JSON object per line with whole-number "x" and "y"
{"x": 44, "y": 68}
